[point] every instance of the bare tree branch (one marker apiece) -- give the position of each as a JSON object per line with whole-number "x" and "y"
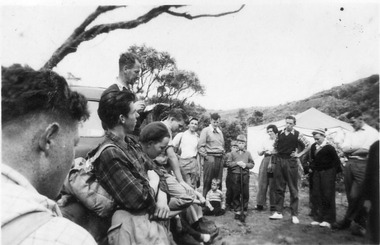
{"x": 80, "y": 34}
{"x": 191, "y": 17}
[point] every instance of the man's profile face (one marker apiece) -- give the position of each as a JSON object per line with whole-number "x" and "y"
{"x": 356, "y": 123}
{"x": 132, "y": 74}
{"x": 215, "y": 123}
{"x": 177, "y": 125}
{"x": 318, "y": 138}
{"x": 289, "y": 124}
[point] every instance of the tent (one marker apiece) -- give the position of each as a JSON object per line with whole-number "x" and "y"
{"x": 307, "y": 121}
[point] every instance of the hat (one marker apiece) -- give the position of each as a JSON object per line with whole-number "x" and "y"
{"x": 320, "y": 131}
{"x": 234, "y": 143}
{"x": 241, "y": 138}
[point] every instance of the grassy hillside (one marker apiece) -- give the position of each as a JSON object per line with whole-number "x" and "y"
{"x": 362, "y": 94}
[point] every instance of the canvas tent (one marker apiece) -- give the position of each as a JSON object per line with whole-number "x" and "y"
{"x": 307, "y": 121}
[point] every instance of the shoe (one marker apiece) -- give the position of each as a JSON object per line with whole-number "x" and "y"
{"x": 341, "y": 225}
{"x": 237, "y": 216}
{"x": 259, "y": 208}
{"x": 295, "y": 220}
{"x": 276, "y": 215}
{"x": 325, "y": 224}
{"x": 315, "y": 223}
{"x": 358, "y": 230}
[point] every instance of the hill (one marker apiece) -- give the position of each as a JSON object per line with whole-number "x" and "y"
{"x": 362, "y": 94}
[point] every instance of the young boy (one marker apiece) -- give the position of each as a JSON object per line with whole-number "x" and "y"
{"x": 215, "y": 203}
{"x": 239, "y": 164}
{"x": 234, "y": 148}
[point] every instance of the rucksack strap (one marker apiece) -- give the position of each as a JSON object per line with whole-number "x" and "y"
{"x": 89, "y": 162}
{"x": 18, "y": 229}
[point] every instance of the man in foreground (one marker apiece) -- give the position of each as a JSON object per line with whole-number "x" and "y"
{"x": 40, "y": 118}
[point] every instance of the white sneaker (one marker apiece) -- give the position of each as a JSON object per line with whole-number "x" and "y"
{"x": 325, "y": 224}
{"x": 275, "y": 215}
{"x": 295, "y": 220}
{"x": 315, "y": 223}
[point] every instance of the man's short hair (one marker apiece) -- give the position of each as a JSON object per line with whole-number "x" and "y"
{"x": 155, "y": 131}
{"x": 178, "y": 114}
{"x": 193, "y": 119}
{"x": 127, "y": 59}
{"x": 355, "y": 114}
{"x": 113, "y": 104}
{"x": 215, "y": 116}
{"x": 292, "y": 118}
{"x": 273, "y": 127}
{"x": 26, "y": 92}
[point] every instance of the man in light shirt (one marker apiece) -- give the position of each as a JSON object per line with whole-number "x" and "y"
{"x": 211, "y": 147}
{"x": 40, "y": 118}
{"x": 186, "y": 144}
{"x": 356, "y": 147}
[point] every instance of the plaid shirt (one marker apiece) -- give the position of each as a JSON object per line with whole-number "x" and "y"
{"x": 122, "y": 172}
{"x": 19, "y": 197}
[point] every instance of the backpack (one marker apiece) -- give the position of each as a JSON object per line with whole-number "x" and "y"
{"x": 81, "y": 182}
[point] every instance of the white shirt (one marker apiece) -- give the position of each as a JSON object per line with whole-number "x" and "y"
{"x": 268, "y": 145}
{"x": 362, "y": 138}
{"x": 188, "y": 142}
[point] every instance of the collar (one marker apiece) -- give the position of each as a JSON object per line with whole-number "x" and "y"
{"x": 120, "y": 85}
{"x": 241, "y": 150}
{"x": 217, "y": 129}
{"x": 291, "y": 132}
{"x": 17, "y": 178}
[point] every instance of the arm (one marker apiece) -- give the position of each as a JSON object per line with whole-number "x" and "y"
{"x": 176, "y": 141}
{"x": 174, "y": 164}
{"x": 124, "y": 182}
{"x": 231, "y": 161}
{"x": 223, "y": 202}
{"x": 208, "y": 204}
{"x": 303, "y": 141}
{"x": 250, "y": 163}
{"x": 202, "y": 143}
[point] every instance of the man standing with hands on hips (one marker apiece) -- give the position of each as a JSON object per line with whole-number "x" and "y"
{"x": 287, "y": 144}
{"x": 211, "y": 147}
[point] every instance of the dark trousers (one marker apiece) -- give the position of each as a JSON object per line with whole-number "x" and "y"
{"x": 236, "y": 190}
{"x": 228, "y": 186}
{"x": 286, "y": 173}
{"x": 212, "y": 168}
{"x": 217, "y": 211}
{"x": 354, "y": 173}
{"x": 324, "y": 194}
{"x": 265, "y": 183}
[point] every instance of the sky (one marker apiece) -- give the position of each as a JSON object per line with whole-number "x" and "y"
{"x": 265, "y": 55}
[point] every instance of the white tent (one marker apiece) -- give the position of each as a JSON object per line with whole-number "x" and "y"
{"x": 307, "y": 121}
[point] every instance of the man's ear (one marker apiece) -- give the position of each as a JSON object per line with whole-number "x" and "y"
{"x": 48, "y": 136}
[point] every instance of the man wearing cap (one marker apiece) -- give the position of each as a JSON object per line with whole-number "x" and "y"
{"x": 287, "y": 144}
{"x": 186, "y": 144}
{"x": 239, "y": 163}
{"x": 325, "y": 164}
{"x": 356, "y": 147}
{"x": 211, "y": 147}
{"x": 234, "y": 148}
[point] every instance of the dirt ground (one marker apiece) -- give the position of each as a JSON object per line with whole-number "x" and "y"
{"x": 258, "y": 229}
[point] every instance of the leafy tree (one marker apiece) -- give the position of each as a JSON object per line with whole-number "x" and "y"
{"x": 256, "y": 118}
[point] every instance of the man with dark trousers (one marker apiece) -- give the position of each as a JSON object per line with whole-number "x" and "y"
{"x": 286, "y": 163}
{"x": 356, "y": 147}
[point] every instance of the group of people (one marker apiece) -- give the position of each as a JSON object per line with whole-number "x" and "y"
{"x": 152, "y": 172}
{"x": 357, "y": 157}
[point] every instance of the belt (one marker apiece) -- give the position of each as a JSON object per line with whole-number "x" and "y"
{"x": 215, "y": 154}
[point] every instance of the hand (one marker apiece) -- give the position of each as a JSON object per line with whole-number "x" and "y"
{"x": 294, "y": 154}
{"x": 189, "y": 190}
{"x": 162, "y": 209}
{"x": 202, "y": 200}
{"x": 140, "y": 105}
{"x": 211, "y": 208}
{"x": 367, "y": 205}
{"x": 270, "y": 168}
